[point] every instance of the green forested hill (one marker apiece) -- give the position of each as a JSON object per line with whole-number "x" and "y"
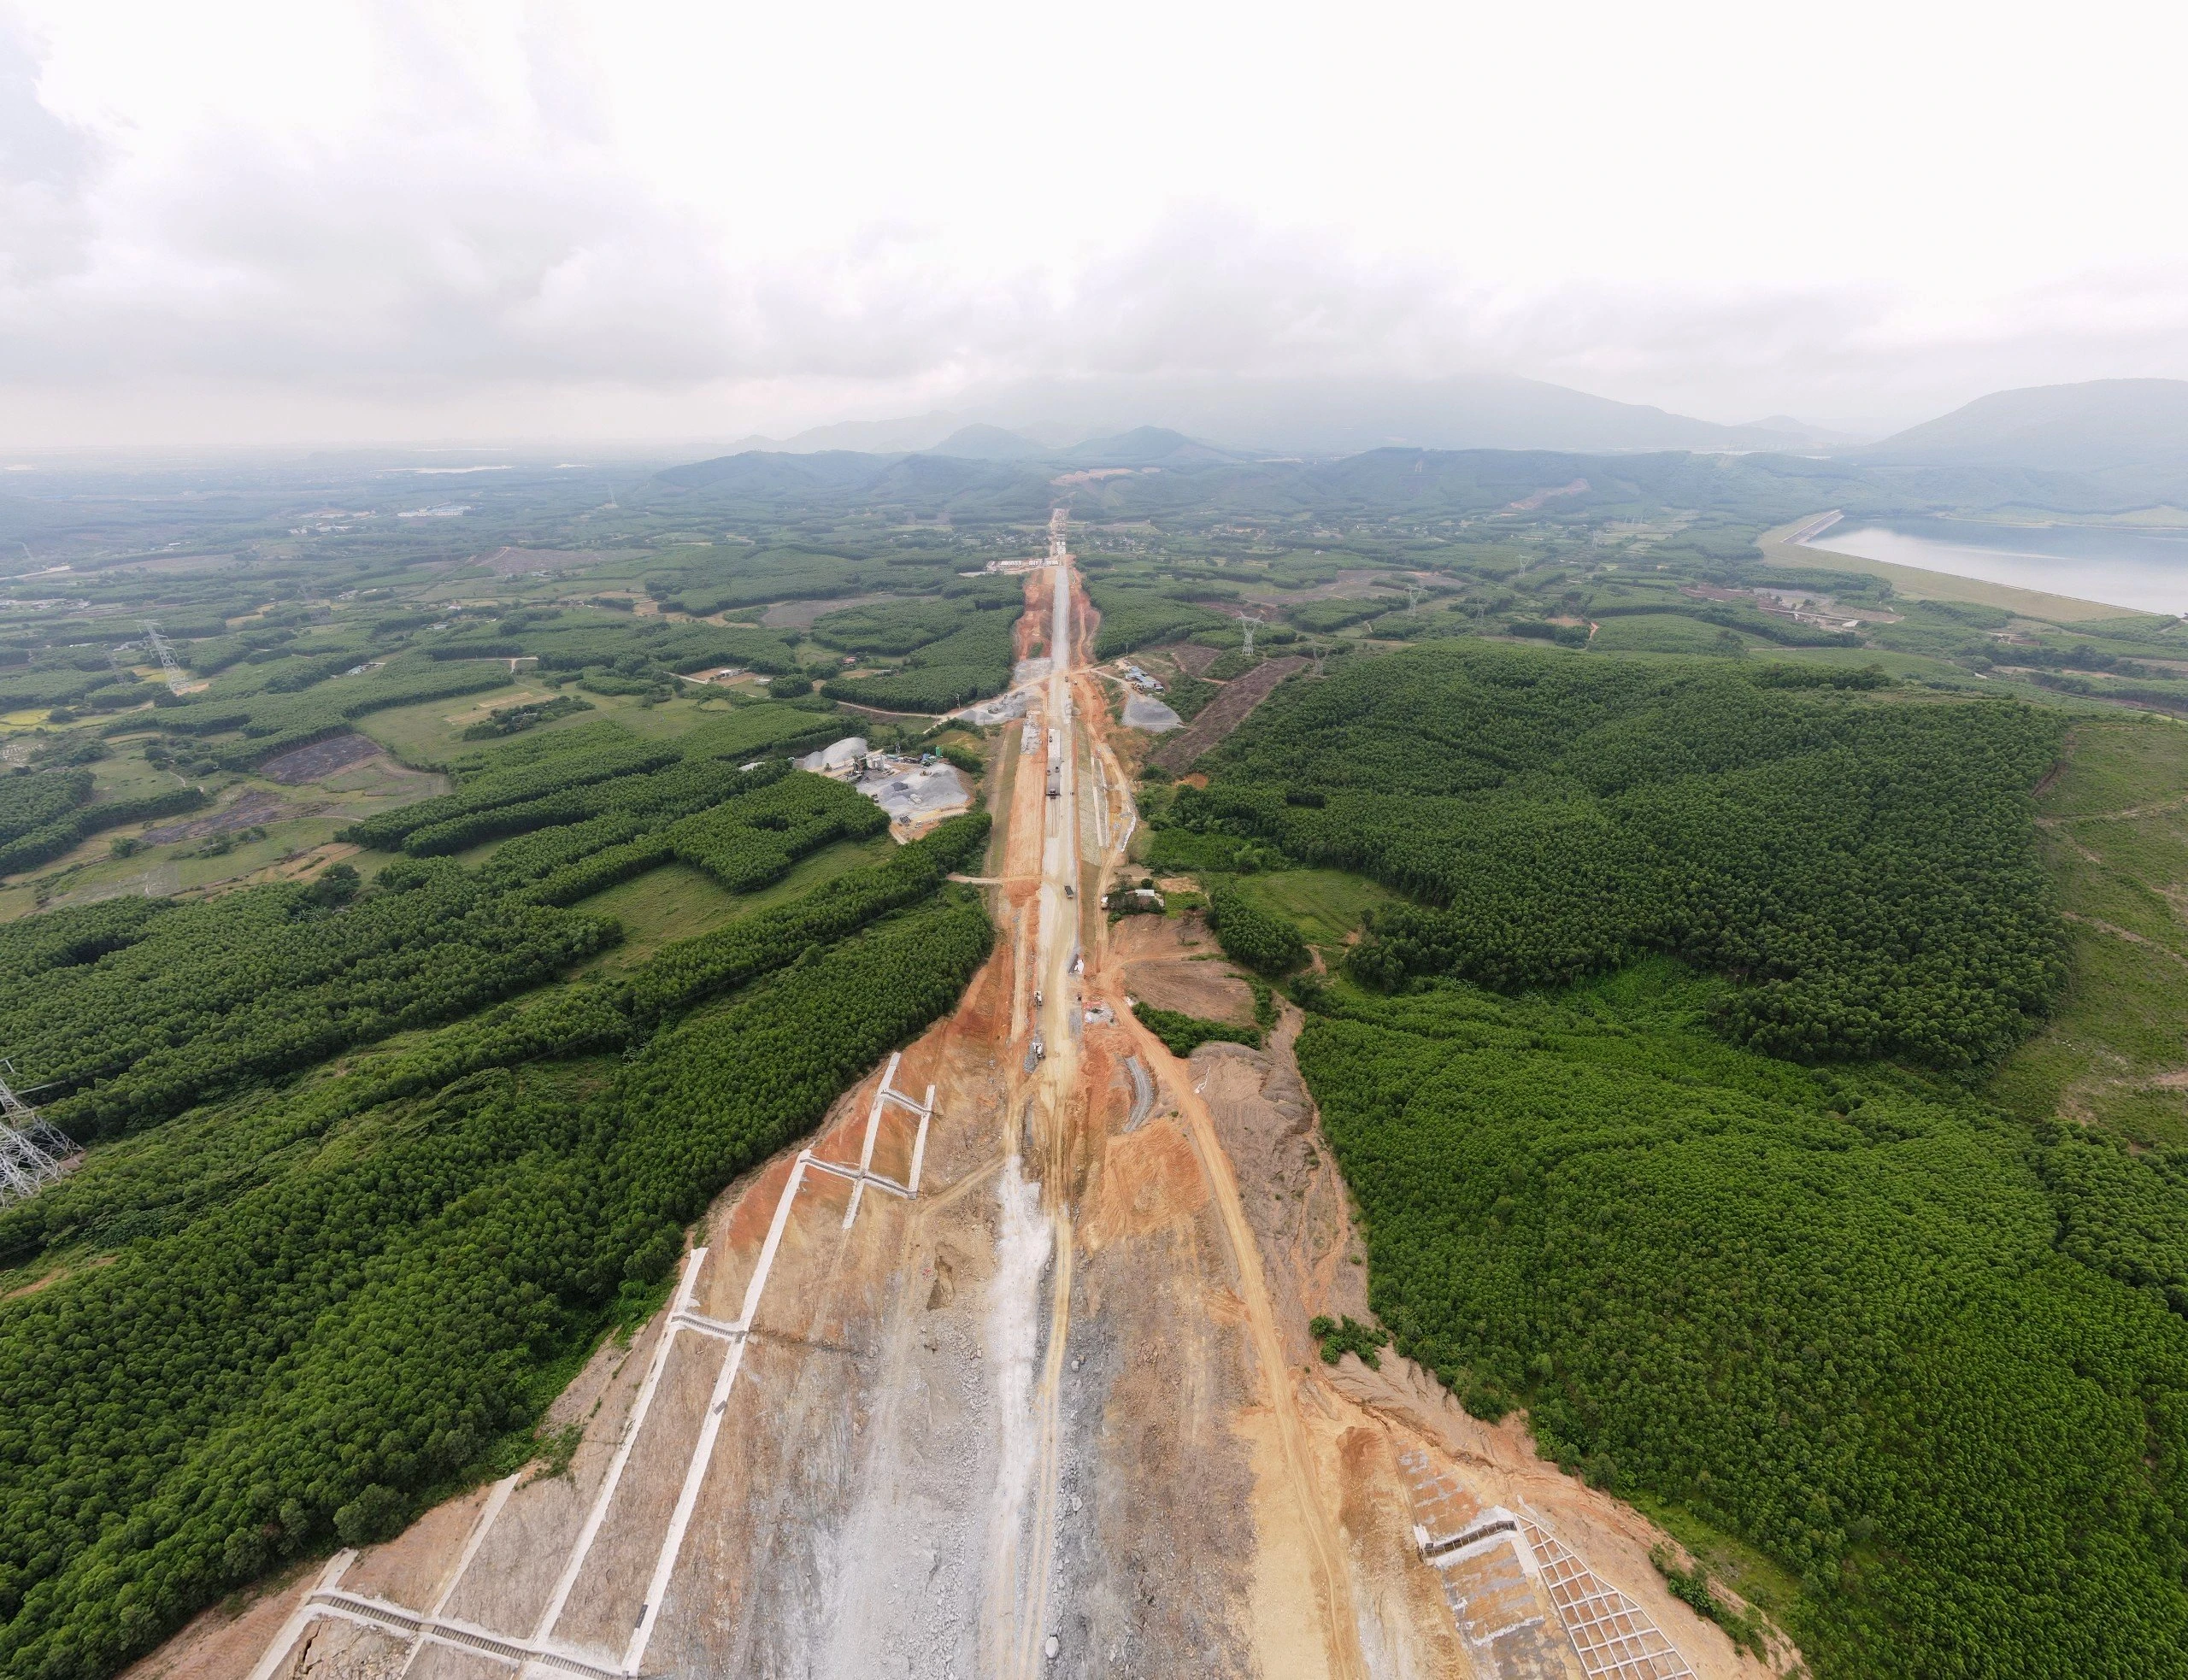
{"x": 965, "y": 665}
{"x": 1824, "y": 1184}
{"x": 1863, "y": 863}
{"x": 1829, "y": 1313}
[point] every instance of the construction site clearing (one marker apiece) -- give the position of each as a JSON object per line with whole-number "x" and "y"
{"x": 1007, "y": 1371}
{"x": 917, "y": 793}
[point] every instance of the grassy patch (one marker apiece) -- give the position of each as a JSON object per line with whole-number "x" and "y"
{"x": 247, "y": 857}
{"x": 432, "y": 731}
{"x": 2121, "y": 1024}
{"x": 1665, "y": 633}
{"x": 1754, "y": 1577}
{"x": 660, "y": 721}
{"x": 1324, "y": 904}
{"x": 677, "y": 901}
{"x": 2118, "y": 764}
{"x": 674, "y": 901}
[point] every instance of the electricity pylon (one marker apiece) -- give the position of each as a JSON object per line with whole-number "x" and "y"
{"x": 161, "y": 651}
{"x": 165, "y": 655}
{"x": 33, "y": 1151}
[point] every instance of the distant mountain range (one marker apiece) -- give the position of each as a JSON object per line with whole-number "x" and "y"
{"x": 1341, "y": 417}
{"x": 1165, "y": 472}
{"x": 1149, "y": 446}
{"x": 2107, "y": 446}
{"x": 1304, "y": 417}
{"x": 2101, "y": 427}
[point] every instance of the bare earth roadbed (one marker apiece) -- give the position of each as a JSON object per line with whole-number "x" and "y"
{"x": 1057, "y": 1413}
{"x": 1169, "y": 963}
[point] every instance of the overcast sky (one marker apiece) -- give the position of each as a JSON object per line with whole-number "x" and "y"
{"x": 284, "y": 222}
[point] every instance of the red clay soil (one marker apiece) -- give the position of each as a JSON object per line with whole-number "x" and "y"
{"x": 1223, "y": 713}
{"x": 1029, "y": 632}
{"x": 1166, "y": 962}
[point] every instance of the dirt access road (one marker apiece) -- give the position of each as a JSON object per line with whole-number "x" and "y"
{"x": 1006, "y": 1373}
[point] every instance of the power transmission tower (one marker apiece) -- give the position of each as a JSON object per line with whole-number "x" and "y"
{"x": 33, "y": 1151}
{"x": 1251, "y": 624}
{"x": 1319, "y": 653}
{"x": 166, "y": 656}
{"x": 1413, "y": 594}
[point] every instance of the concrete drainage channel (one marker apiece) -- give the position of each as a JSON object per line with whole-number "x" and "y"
{"x": 1508, "y": 1581}
{"x": 1142, "y": 1093}
{"x": 541, "y": 1655}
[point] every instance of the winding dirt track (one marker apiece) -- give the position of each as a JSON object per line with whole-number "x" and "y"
{"x": 1057, "y": 1412}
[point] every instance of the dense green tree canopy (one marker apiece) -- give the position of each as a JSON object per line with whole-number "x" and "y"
{"x": 1863, "y": 864}
{"x": 1828, "y": 1311}
{"x": 965, "y": 665}
{"x": 32, "y": 799}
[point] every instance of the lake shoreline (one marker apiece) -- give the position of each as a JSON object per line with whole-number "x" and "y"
{"x": 2120, "y": 572}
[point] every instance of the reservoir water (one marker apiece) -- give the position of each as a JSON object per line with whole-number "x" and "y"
{"x": 2146, "y": 571}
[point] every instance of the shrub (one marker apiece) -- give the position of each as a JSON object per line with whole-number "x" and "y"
{"x": 1251, "y": 935}
{"x": 1181, "y": 1034}
{"x": 1348, "y": 1335}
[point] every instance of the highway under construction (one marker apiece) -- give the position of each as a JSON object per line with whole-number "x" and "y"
{"x": 1006, "y": 1372}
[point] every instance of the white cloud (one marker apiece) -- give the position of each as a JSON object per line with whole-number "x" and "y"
{"x": 249, "y": 222}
